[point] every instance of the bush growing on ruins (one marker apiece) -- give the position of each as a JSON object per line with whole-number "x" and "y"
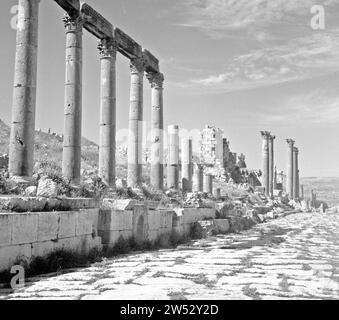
{"x": 196, "y": 232}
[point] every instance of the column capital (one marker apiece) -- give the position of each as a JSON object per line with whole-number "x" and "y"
{"x": 272, "y": 137}
{"x": 137, "y": 65}
{"x": 72, "y": 24}
{"x": 290, "y": 142}
{"x": 265, "y": 134}
{"x": 156, "y": 79}
{"x": 295, "y": 150}
{"x": 107, "y": 48}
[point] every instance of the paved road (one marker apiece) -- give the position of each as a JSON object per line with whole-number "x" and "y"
{"x": 296, "y": 257}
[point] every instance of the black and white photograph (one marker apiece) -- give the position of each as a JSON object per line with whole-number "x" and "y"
{"x": 169, "y": 150}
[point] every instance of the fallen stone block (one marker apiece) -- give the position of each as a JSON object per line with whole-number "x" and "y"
{"x": 222, "y": 225}
{"x": 47, "y": 188}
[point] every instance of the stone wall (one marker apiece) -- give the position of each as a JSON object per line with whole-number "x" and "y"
{"x": 28, "y": 235}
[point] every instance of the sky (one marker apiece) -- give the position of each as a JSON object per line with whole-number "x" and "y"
{"x": 241, "y": 65}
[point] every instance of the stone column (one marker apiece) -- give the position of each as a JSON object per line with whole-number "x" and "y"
{"x": 302, "y": 191}
{"x": 134, "y": 169}
{"x": 21, "y": 146}
{"x": 265, "y": 156}
{"x": 198, "y": 178}
{"x": 107, "y": 144}
{"x": 295, "y": 174}
{"x": 186, "y": 164}
{"x": 157, "y": 127}
{"x": 275, "y": 183}
{"x": 173, "y": 157}
{"x": 71, "y": 162}
{"x": 208, "y": 183}
{"x": 271, "y": 164}
{"x": 289, "y": 171}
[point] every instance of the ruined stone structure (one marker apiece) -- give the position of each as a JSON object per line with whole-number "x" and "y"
{"x": 211, "y": 145}
{"x": 241, "y": 161}
{"x": 80, "y": 16}
{"x": 198, "y": 178}
{"x": 292, "y": 181}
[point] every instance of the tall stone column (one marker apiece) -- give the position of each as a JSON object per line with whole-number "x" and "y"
{"x": 265, "y": 158}
{"x": 198, "y": 178}
{"x": 271, "y": 164}
{"x": 186, "y": 164}
{"x": 134, "y": 169}
{"x": 71, "y": 162}
{"x": 208, "y": 183}
{"x": 107, "y": 144}
{"x": 157, "y": 123}
{"x": 275, "y": 182}
{"x": 173, "y": 157}
{"x": 295, "y": 174}
{"x": 302, "y": 191}
{"x": 21, "y": 147}
{"x": 289, "y": 171}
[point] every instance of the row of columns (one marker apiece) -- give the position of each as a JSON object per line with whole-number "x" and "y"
{"x": 268, "y": 172}
{"x": 24, "y": 105}
{"x": 292, "y": 179}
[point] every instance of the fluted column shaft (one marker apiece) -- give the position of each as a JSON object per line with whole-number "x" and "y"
{"x": 198, "y": 178}
{"x": 289, "y": 171}
{"x": 265, "y": 159}
{"x": 71, "y": 163}
{"x": 157, "y": 133}
{"x": 134, "y": 169}
{"x": 21, "y": 147}
{"x": 186, "y": 164}
{"x": 271, "y": 164}
{"x": 295, "y": 173}
{"x": 107, "y": 144}
{"x": 173, "y": 157}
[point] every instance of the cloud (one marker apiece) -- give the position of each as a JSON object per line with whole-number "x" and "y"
{"x": 250, "y": 18}
{"x": 298, "y": 59}
{"x": 316, "y": 108}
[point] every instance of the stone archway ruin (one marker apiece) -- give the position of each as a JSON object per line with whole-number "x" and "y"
{"x": 112, "y": 40}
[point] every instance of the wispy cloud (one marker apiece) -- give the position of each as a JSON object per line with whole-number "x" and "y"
{"x": 316, "y": 108}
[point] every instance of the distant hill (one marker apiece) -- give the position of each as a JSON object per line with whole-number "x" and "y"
{"x": 48, "y": 147}
{"x": 327, "y": 189}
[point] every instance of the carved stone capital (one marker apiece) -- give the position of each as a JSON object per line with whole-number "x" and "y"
{"x": 290, "y": 142}
{"x": 156, "y": 79}
{"x": 72, "y": 24}
{"x": 137, "y": 66}
{"x": 107, "y": 48}
{"x": 265, "y": 134}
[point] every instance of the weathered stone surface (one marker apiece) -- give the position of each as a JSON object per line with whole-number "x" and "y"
{"x": 22, "y": 204}
{"x": 222, "y": 225}
{"x": 5, "y": 229}
{"x": 47, "y": 188}
{"x": 31, "y": 191}
{"x": 123, "y": 204}
{"x": 24, "y": 228}
{"x": 48, "y": 226}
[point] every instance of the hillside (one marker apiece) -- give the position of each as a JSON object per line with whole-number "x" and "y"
{"x": 49, "y": 146}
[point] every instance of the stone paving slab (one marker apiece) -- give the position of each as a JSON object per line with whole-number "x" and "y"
{"x": 295, "y": 257}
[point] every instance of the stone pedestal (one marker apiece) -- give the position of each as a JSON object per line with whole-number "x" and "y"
{"x": 173, "y": 157}
{"x": 71, "y": 162}
{"x": 21, "y": 147}
{"x": 107, "y": 144}
{"x": 208, "y": 183}
{"x": 157, "y": 134}
{"x": 271, "y": 164}
{"x": 134, "y": 169}
{"x": 265, "y": 158}
{"x": 186, "y": 164}
{"x": 289, "y": 171}
{"x": 198, "y": 178}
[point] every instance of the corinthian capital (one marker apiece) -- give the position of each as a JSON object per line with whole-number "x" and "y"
{"x": 156, "y": 79}
{"x": 137, "y": 65}
{"x": 72, "y": 24}
{"x": 265, "y": 134}
{"x": 290, "y": 142}
{"x": 107, "y": 48}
